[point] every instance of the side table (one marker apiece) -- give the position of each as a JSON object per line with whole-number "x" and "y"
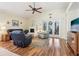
{"x": 4, "y": 37}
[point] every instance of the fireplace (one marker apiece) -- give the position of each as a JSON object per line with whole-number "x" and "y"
{"x": 32, "y": 30}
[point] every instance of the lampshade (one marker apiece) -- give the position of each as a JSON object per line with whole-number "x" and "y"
{"x": 3, "y": 28}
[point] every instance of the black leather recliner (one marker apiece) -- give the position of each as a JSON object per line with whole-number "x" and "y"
{"x": 20, "y": 40}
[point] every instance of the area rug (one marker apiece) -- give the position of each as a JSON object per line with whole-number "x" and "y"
{"x": 39, "y": 43}
{"x": 5, "y": 52}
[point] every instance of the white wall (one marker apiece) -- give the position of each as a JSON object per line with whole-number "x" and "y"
{"x": 63, "y": 17}
{"x": 4, "y": 18}
{"x": 56, "y": 15}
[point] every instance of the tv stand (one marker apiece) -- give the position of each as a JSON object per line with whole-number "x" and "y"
{"x": 73, "y": 42}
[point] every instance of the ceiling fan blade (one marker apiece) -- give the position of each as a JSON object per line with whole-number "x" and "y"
{"x": 34, "y": 4}
{"x": 28, "y": 10}
{"x": 38, "y": 11}
{"x": 33, "y": 12}
{"x": 30, "y": 6}
{"x": 39, "y": 8}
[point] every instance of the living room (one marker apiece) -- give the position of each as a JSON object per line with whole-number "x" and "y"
{"x": 38, "y": 28}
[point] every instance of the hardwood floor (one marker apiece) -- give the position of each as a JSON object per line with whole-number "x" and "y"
{"x": 58, "y": 48}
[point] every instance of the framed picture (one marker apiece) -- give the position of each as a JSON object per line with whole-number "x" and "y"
{"x": 15, "y": 23}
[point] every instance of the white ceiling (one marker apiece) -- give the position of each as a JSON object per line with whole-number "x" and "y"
{"x": 19, "y": 8}
{"x": 75, "y": 5}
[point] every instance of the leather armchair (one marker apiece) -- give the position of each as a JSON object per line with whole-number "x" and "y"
{"x": 20, "y": 40}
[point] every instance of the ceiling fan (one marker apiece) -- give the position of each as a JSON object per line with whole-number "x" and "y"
{"x": 34, "y": 9}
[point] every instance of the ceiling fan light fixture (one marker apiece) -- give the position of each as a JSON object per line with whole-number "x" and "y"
{"x": 34, "y": 9}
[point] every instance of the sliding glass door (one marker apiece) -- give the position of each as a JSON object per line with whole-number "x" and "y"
{"x": 53, "y": 28}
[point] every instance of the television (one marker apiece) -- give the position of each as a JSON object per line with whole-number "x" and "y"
{"x": 75, "y": 28}
{"x": 75, "y": 25}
